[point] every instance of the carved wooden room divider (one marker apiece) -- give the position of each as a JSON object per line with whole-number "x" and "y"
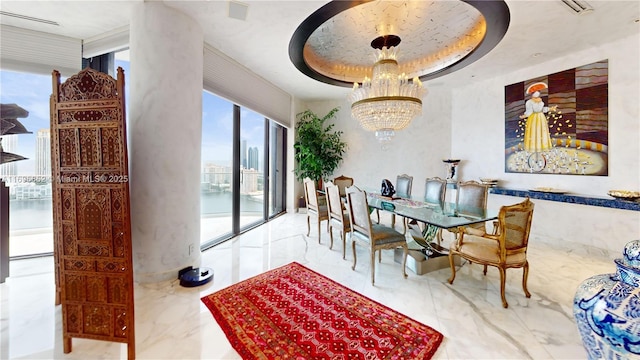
{"x": 92, "y": 224}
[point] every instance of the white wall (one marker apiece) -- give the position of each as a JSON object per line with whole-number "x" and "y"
{"x": 478, "y": 123}
{"x": 417, "y": 150}
{"x": 478, "y": 138}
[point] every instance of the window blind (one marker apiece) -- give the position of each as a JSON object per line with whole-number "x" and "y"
{"x": 225, "y": 77}
{"x": 39, "y": 52}
{"x": 111, "y": 41}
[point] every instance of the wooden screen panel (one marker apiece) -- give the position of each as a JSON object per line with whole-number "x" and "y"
{"x": 92, "y": 226}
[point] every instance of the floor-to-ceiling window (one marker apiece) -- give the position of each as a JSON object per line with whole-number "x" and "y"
{"x": 242, "y": 166}
{"x": 216, "y": 191}
{"x": 258, "y": 160}
{"x": 277, "y": 170}
{"x": 29, "y": 181}
{"x": 252, "y": 136}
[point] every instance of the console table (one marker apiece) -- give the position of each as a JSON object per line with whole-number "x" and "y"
{"x": 593, "y": 200}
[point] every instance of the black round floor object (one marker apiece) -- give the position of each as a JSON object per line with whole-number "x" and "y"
{"x": 196, "y": 277}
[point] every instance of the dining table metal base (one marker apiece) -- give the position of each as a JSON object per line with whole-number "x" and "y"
{"x": 421, "y": 263}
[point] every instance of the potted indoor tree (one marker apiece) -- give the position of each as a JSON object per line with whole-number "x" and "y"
{"x": 318, "y": 148}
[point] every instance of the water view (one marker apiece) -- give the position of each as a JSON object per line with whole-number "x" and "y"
{"x": 38, "y": 213}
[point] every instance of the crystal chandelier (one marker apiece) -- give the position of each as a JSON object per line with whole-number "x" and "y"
{"x": 388, "y": 101}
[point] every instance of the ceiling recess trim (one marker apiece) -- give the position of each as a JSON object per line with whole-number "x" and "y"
{"x": 496, "y": 14}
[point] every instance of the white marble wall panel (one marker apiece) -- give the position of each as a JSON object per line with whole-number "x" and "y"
{"x": 417, "y": 150}
{"x": 165, "y": 141}
{"x": 583, "y": 229}
{"x": 478, "y": 123}
{"x": 478, "y": 138}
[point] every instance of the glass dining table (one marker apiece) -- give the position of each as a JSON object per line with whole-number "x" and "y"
{"x": 435, "y": 218}
{"x": 444, "y": 217}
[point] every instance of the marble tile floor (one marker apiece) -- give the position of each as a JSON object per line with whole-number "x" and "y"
{"x": 172, "y": 322}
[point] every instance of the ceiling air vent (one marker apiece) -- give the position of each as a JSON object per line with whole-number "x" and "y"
{"x": 29, "y": 18}
{"x": 578, "y": 6}
{"x": 238, "y": 10}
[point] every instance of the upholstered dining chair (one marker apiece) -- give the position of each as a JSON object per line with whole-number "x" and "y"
{"x": 471, "y": 201}
{"x": 403, "y": 190}
{"x": 314, "y": 208}
{"x": 338, "y": 216}
{"x": 374, "y": 236}
{"x": 343, "y": 182}
{"x": 435, "y": 189}
{"x": 403, "y": 186}
{"x": 507, "y": 249}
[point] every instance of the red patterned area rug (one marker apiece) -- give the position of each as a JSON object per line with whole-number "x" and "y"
{"x": 293, "y": 312}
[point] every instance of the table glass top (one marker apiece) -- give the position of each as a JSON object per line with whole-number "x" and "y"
{"x": 446, "y": 217}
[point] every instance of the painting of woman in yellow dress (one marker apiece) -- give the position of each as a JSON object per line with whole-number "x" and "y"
{"x": 536, "y": 133}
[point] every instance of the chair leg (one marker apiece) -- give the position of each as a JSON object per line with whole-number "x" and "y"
{"x": 503, "y": 280}
{"x": 484, "y": 271}
{"x": 380, "y": 256}
{"x": 453, "y": 268}
{"x": 343, "y": 236}
{"x": 525, "y": 276}
{"x": 373, "y": 267}
{"x": 330, "y": 236}
{"x": 353, "y": 246}
{"x": 319, "y": 237}
{"x": 393, "y": 221}
{"x": 378, "y": 215}
{"x": 405, "y": 251}
{"x": 308, "y": 224}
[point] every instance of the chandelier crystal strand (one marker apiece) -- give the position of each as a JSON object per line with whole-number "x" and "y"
{"x": 388, "y": 101}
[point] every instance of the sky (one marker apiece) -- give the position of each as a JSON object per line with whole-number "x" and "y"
{"x": 32, "y": 92}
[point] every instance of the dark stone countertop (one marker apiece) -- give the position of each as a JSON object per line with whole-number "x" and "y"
{"x": 593, "y": 200}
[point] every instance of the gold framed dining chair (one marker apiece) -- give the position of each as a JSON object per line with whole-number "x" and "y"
{"x": 338, "y": 216}
{"x": 507, "y": 249}
{"x": 375, "y": 237}
{"x": 314, "y": 208}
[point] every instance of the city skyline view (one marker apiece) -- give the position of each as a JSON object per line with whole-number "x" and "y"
{"x": 32, "y": 93}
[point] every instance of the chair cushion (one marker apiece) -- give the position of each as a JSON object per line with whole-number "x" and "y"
{"x": 384, "y": 235}
{"x": 486, "y": 250}
{"x": 477, "y": 229}
{"x": 346, "y": 225}
{"x": 323, "y": 210}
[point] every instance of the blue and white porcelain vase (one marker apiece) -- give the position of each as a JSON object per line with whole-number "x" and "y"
{"x": 607, "y": 309}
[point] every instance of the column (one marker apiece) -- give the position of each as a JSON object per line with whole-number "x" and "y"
{"x": 164, "y": 135}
